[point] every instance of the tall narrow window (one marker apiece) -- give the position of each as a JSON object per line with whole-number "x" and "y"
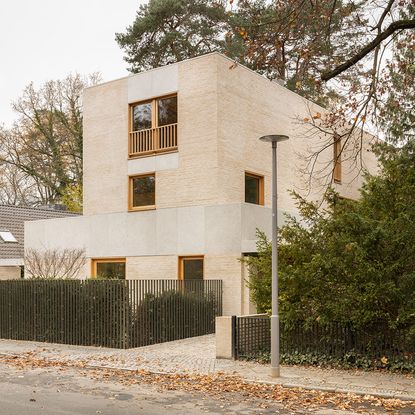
{"x": 166, "y": 111}
{"x": 108, "y": 268}
{"x": 142, "y": 116}
{"x": 254, "y": 189}
{"x": 191, "y": 268}
{"x": 142, "y": 191}
{"x": 337, "y": 168}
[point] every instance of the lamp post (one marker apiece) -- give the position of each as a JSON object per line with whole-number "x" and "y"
{"x": 275, "y": 319}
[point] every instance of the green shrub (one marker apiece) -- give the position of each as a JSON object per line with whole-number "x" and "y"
{"x": 172, "y": 316}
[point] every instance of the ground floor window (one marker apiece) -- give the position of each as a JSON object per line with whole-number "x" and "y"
{"x": 104, "y": 268}
{"x": 191, "y": 268}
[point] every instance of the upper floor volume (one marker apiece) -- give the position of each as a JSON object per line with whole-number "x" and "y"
{"x": 153, "y": 126}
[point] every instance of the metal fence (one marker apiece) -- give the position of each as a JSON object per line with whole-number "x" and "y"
{"x": 252, "y": 338}
{"x": 108, "y": 313}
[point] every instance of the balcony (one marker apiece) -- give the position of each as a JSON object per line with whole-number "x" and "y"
{"x": 153, "y": 141}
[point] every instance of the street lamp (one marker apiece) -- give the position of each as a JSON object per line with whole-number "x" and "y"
{"x": 275, "y": 319}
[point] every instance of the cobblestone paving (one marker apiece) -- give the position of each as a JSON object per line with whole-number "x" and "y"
{"x": 197, "y": 355}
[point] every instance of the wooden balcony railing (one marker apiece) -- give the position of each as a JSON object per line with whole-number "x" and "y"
{"x": 153, "y": 140}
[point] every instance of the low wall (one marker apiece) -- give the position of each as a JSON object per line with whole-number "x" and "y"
{"x": 10, "y": 272}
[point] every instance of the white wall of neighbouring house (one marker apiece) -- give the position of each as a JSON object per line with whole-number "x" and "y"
{"x": 10, "y": 272}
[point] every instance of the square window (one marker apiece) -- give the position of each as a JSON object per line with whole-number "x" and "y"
{"x": 254, "y": 189}
{"x": 142, "y": 191}
{"x": 191, "y": 268}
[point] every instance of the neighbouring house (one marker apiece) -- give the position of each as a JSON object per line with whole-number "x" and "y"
{"x": 176, "y": 181}
{"x": 12, "y": 219}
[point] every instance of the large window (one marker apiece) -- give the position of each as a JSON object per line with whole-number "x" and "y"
{"x": 153, "y": 126}
{"x": 142, "y": 192}
{"x": 154, "y": 113}
{"x": 108, "y": 268}
{"x": 254, "y": 189}
{"x": 191, "y": 268}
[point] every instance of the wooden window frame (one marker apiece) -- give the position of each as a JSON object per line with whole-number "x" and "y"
{"x": 261, "y": 187}
{"x": 95, "y": 261}
{"x": 189, "y": 257}
{"x": 154, "y": 110}
{"x": 133, "y": 150}
{"x": 131, "y": 208}
{"x": 337, "y": 161}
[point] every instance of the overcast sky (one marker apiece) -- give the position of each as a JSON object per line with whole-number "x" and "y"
{"x": 48, "y": 39}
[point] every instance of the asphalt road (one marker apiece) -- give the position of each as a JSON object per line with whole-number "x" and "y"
{"x": 69, "y": 391}
{"x": 51, "y": 391}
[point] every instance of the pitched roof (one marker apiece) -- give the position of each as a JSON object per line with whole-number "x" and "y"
{"x": 12, "y": 219}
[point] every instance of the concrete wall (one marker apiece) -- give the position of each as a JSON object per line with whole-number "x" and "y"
{"x": 193, "y": 230}
{"x": 9, "y": 273}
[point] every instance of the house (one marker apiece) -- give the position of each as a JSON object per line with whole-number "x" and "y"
{"x": 176, "y": 181}
{"x": 12, "y": 219}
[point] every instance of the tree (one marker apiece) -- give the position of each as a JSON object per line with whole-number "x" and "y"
{"x": 54, "y": 263}
{"x": 352, "y": 261}
{"x": 295, "y": 40}
{"x": 168, "y": 31}
{"x": 15, "y": 187}
{"x": 280, "y": 39}
{"x": 348, "y": 57}
{"x": 43, "y": 148}
{"x": 352, "y": 57}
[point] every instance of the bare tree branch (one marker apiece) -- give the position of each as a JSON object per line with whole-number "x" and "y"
{"x": 393, "y": 27}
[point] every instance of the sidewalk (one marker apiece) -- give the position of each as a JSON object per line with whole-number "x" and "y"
{"x": 197, "y": 355}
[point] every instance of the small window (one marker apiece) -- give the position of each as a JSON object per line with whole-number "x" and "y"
{"x": 191, "y": 268}
{"x": 337, "y": 152}
{"x": 8, "y": 237}
{"x": 142, "y": 192}
{"x": 254, "y": 189}
{"x": 108, "y": 268}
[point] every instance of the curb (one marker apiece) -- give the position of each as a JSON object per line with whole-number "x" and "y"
{"x": 334, "y": 389}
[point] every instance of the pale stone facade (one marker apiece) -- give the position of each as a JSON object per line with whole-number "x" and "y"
{"x": 200, "y": 209}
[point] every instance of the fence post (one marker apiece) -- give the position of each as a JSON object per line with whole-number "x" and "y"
{"x": 224, "y": 337}
{"x": 234, "y": 338}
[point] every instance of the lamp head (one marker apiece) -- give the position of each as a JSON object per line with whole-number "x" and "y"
{"x": 274, "y": 138}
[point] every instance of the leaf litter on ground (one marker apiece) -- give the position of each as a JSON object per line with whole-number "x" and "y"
{"x": 220, "y": 385}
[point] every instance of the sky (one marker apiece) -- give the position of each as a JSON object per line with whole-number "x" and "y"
{"x": 42, "y": 40}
